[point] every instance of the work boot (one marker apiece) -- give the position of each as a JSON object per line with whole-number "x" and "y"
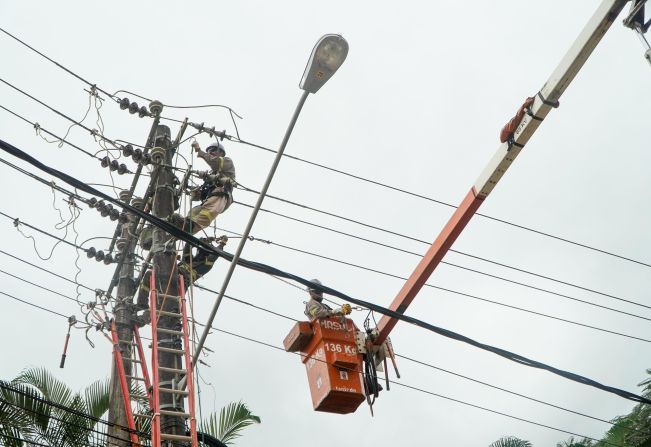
{"x": 184, "y": 223}
{"x": 146, "y": 237}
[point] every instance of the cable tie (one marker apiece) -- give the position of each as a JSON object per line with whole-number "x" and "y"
{"x": 545, "y": 101}
{"x": 16, "y": 222}
{"x": 530, "y": 113}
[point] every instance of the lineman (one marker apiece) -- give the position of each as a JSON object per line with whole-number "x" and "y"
{"x": 315, "y": 309}
{"x": 216, "y": 193}
{"x": 191, "y": 267}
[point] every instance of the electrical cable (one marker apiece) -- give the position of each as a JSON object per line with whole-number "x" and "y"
{"x": 428, "y": 364}
{"x": 73, "y": 411}
{"x": 69, "y": 423}
{"x": 48, "y": 271}
{"x": 430, "y": 199}
{"x": 456, "y": 292}
{"x": 17, "y": 222}
{"x": 39, "y": 286}
{"x": 479, "y": 272}
{"x": 34, "y": 305}
{"x": 177, "y": 233}
{"x": 422, "y": 390}
{"x": 343, "y": 233}
{"x": 93, "y": 132}
{"x": 412, "y": 360}
{"x": 56, "y": 63}
{"x": 400, "y": 356}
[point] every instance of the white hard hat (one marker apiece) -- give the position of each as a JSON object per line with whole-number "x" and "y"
{"x": 216, "y": 146}
{"x": 315, "y": 281}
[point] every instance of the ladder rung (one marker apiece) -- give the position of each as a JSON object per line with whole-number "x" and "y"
{"x": 175, "y": 413}
{"x": 164, "y": 295}
{"x": 165, "y": 313}
{"x": 127, "y": 359}
{"x": 173, "y": 391}
{"x": 140, "y": 415}
{"x": 169, "y": 331}
{"x": 126, "y": 342}
{"x": 135, "y": 378}
{"x": 171, "y": 350}
{"x": 171, "y": 437}
{"x": 172, "y": 370}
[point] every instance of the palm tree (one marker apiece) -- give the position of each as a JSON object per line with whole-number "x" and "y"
{"x": 232, "y": 419}
{"x": 40, "y": 409}
{"x": 510, "y": 441}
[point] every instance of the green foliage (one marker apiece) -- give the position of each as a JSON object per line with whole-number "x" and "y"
{"x": 232, "y": 419}
{"x": 24, "y": 414}
{"x": 510, "y": 441}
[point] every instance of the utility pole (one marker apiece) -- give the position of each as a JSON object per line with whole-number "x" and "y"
{"x": 124, "y": 316}
{"x": 170, "y": 344}
{"x": 124, "y": 311}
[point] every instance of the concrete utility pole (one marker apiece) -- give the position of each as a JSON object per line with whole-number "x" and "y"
{"x": 124, "y": 311}
{"x": 164, "y": 267}
{"x": 124, "y": 315}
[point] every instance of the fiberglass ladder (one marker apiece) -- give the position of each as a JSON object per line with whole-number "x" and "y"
{"x": 136, "y": 363}
{"x": 181, "y": 375}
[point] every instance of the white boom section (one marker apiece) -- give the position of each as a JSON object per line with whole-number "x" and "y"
{"x": 551, "y": 92}
{"x": 544, "y": 101}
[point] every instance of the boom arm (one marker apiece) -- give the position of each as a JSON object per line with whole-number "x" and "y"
{"x": 546, "y": 99}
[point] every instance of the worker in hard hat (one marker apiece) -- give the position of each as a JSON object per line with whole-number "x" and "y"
{"x": 316, "y": 309}
{"x": 216, "y": 193}
{"x": 191, "y": 267}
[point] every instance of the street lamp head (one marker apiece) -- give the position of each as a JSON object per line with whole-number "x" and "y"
{"x": 327, "y": 56}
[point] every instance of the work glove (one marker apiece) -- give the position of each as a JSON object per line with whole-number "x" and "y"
{"x": 195, "y": 146}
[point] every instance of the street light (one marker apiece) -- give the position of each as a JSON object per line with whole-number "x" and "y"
{"x": 327, "y": 56}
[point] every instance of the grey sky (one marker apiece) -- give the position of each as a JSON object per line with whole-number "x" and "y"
{"x": 418, "y": 104}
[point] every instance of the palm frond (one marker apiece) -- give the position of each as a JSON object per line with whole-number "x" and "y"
{"x": 510, "y": 441}
{"x": 232, "y": 419}
{"x": 52, "y": 388}
{"x": 96, "y": 397}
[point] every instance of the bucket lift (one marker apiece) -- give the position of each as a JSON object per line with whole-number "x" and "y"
{"x": 341, "y": 362}
{"x": 311, "y": 339}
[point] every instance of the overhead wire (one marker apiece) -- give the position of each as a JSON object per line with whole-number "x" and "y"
{"x": 426, "y": 364}
{"x": 456, "y": 292}
{"x": 398, "y": 355}
{"x": 440, "y": 202}
{"x": 256, "y": 266}
{"x": 269, "y": 345}
{"x": 55, "y": 62}
{"x": 392, "y": 247}
{"x": 479, "y": 272}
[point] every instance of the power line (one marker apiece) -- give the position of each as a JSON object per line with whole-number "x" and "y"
{"x": 56, "y": 63}
{"x": 34, "y": 305}
{"x": 403, "y": 357}
{"x": 440, "y": 202}
{"x": 17, "y": 222}
{"x": 456, "y": 292}
{"x": 39, "y": 128}
{"x": 93, "y": 132}
{"x": 67, "y": 422}
{"x": 65, "y": 408}
{"x": 421, "y": 390}
{"x": 260, "y": 267}
{"x": 343, "y": 233}
{"x": 50, "y": 272}
{"x": 430, "y": 365}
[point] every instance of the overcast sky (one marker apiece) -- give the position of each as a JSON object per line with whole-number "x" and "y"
{"x": 418, "y": 104}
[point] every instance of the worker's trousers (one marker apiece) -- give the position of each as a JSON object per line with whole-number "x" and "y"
{"x": 203, "y": 215}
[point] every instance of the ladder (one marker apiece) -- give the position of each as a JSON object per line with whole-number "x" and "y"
{"x": 137, "y": 361}
{"x": 162, "y": 336}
